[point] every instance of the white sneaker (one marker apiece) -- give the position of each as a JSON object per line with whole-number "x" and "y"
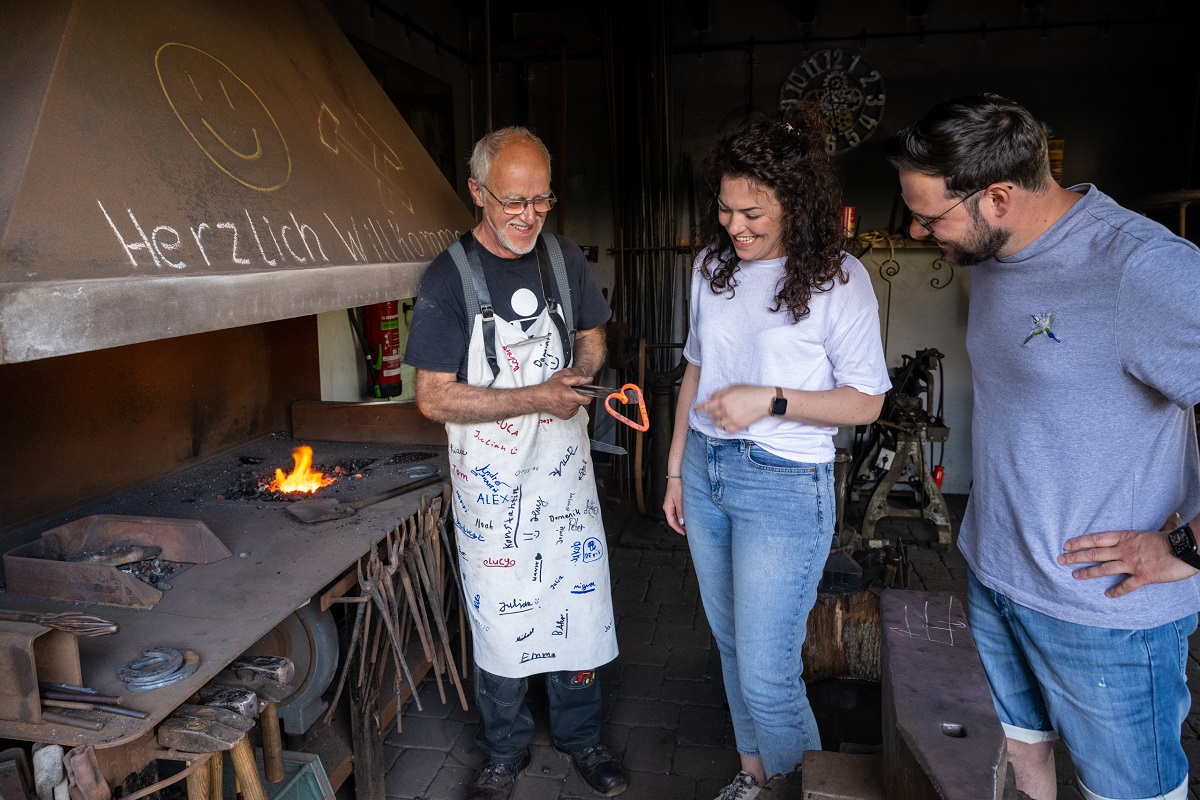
{"x": 742, "y": 788}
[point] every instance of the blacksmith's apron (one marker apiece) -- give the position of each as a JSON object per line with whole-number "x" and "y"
{"x": 527, "y": 518}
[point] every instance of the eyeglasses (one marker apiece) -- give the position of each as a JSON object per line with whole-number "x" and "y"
{"x": 514, "y": 207}
{"x": 928, "y": 222}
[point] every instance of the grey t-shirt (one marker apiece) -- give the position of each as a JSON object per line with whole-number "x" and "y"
{"x": 1085, "y": 359}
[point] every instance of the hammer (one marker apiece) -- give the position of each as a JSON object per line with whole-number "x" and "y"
{"x": 207, "y": 729}
{"x": 232, "y": 698}
{"x": 268, "y": 677}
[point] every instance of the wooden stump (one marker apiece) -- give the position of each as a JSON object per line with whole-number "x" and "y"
{"x": 843, "y": 637}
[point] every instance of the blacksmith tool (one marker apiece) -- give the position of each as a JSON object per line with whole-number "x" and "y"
{"x": 207, "y": 729}
{"x": 608, "y": 394}
{"x": 240, "y": 701}
{"x": 270, "y": 677}
{"x": 55, "y": 718}
{"x": 158, "y": 667}
{"x": 69, "y": 621}
{"x": 326, "y": 509}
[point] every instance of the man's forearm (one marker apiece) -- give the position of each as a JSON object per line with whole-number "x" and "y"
{"x": 468, "y": 405}
{"x": 590, "y": 351}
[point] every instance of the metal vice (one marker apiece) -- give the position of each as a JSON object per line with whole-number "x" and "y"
{"x": 908, "y": 419}
{"x": 910, "y": 450}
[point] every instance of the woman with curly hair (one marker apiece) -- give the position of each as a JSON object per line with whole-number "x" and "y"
{"x": 784, "y": 348}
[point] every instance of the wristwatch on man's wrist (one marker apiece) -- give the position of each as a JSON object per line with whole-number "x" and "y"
{"x": 778, "y": 403}
{"x": 1183, "y": 545}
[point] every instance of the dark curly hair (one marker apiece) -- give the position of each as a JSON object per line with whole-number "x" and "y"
{"x": 787, "y": 155}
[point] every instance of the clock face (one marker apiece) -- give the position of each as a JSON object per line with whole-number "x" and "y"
{"x": 847, "y": 90}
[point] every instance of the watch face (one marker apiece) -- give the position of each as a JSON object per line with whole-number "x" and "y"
{"x": 1181, "y": 541}
{"x": 847, "y": 90}
{"x": 778, "y": 406}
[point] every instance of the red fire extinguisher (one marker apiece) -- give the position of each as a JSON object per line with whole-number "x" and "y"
{"x": 381, "y": 345}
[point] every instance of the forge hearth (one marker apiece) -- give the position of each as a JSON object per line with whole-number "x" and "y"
{"x": 43, "y": 567}
{"x": 256, "y": 484}
{"x": 221, "y": 609}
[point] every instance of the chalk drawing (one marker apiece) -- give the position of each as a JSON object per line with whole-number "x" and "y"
{"x": 224, "y": 116}
{"x": 918, "y": 625}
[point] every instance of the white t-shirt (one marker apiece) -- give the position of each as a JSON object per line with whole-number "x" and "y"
{"x": 741, "y": 340}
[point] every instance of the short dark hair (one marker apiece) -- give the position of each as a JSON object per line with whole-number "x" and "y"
{"x": 973, "y": 142}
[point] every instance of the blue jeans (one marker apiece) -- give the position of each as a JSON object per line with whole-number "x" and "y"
{"x": 1117, "y": 698}
{"x": 506, "y": 725}
{"x": 759, "y": 528}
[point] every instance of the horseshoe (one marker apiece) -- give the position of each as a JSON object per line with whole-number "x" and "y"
{"x": 622, "y": 395}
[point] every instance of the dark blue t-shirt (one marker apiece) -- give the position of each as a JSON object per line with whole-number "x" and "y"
{"x": 439, "y": 336}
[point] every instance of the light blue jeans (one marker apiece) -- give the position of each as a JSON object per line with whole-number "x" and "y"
{"x": 759, "y": 528}
{"x": 1116, "y": 697}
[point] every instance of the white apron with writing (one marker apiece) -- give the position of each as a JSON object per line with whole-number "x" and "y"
{"x": 527, "y": 521}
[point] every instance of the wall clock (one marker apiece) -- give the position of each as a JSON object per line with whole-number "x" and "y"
{"x": 847, "y": 90}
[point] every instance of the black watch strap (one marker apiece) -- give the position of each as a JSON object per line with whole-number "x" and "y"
{"x": 1183, "y": 545}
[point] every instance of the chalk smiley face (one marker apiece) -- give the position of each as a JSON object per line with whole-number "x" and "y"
{"x": 224, "y": 116}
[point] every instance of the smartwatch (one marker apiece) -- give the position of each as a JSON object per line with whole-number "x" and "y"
{"x": 778, "y": 403}
{"x": 1183, "y": 545}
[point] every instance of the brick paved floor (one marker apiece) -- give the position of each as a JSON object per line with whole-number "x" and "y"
{"x": 664, "y": 708}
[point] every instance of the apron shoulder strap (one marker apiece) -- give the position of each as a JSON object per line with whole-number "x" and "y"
{"x": 552, "y": 250}
{"x": 475, "y": 292}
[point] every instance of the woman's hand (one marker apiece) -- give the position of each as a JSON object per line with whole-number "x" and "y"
{"x": 673, "y": 505}
{"x": 735, "y": 407}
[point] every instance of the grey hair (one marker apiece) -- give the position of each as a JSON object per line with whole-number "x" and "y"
{"x": 487, "y": 148}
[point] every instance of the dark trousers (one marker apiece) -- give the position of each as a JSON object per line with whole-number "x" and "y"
{"x": 506, "y": 725}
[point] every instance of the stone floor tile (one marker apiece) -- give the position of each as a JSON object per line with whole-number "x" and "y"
{"x": 547, "y": 763}
{"x": 687, "y": 637}
{"x": 636, "y": 630}
{"x": 648, "y": 654}
{"x": 464, "y": 753}
{"x": 534, "y": 787}
{"x": 642, "y": 681}
{"x": 426, "y": 733}
{"x": 702, "y": 725}
{"x": 688, "y": 663}
{"x": 677, "y": 615}
{"x": 709, "y": 693}
{"x": 642, "y": 610}
{"x": 450, "y": 782}
{"x": 654, "y": 786}
{"x": 432, "y": 706}
{"x": 650, "y": 750}
{"x": 413, "y": 772}
{"x": 707, "y": 764}
{"x": 649, "y": 713}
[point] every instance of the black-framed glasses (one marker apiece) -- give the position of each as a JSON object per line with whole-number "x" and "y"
{"x": 928, "y": 222}
{"x": 514, "y": 207}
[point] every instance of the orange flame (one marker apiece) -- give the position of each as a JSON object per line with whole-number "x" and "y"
{"x": 302, "y": 478}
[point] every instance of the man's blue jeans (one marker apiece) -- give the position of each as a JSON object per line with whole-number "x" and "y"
{"x": 506, "y": 724}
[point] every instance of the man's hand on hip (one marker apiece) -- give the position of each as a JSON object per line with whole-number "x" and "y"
{"x": 1145, "y": 556}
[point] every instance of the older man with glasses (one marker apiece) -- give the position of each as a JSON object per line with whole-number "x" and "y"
{"x": 507, "y": 322}
{"x": 1084, "y": 338}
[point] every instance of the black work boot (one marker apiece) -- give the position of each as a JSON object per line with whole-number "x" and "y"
{"x": 600, "y": 769}
{"x": 496, "y": 781}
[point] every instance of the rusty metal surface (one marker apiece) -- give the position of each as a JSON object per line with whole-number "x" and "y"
{"x": 36, "y": 569}
{"x": 220, "y": 610}
{"x": 941, "y": 737}
{"x": 177, "y": 166}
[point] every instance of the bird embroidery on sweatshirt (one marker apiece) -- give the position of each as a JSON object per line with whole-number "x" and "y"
{"x": 1041, "y": 324}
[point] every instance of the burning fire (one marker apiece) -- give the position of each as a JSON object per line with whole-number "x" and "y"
{"x": 302, "y": 478}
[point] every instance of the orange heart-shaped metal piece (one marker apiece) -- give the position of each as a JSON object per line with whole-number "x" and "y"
{"x": 623, "y": 396}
